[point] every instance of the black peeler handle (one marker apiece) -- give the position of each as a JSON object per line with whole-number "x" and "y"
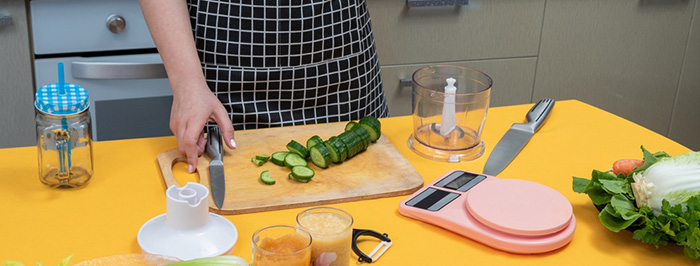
{"x": 362, "y": 257}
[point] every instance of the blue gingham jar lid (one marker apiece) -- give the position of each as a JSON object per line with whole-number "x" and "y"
{"x": 50, "y": 100}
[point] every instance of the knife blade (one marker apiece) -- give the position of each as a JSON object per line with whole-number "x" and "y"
{"x": 216, "y": 166}
{"x": 516, "y": 137}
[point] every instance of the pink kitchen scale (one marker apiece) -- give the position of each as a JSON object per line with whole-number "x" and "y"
{"x": 513, "y": 215}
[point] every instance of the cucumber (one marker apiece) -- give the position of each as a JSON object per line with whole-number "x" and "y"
{"x": 302, "y": 173}
{"x": 371, "y": 121}
{"x": 364, "y": 135}
{"x": 278, "y": 157}
{"x": 293, "y": 159}
{"x": 313, "y": 141}
{"x": 262, "y": 157}
{"x": 338, "y": 146}
{"x": 336, "y": 150}
{"x": 350, "y": 125}
{"x": 352, "y": 142}
{"x": 291, "y": 176}
{"x": 296, "y": 147}
{"x": 372, "y": 126}
{"x": 266, "y": 178}
{"x": 320, "y": 155}
{"x": 256, "y": 161}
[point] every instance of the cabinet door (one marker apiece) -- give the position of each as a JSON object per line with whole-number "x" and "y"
{"x": 685, "y": 123}
{"x": 512, "y": 82}
{"x": 621, "y": 56}
{"x": 17, "y": 99}
{"x": 482, "y": 29}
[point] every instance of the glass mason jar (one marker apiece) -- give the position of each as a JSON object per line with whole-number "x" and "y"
{"x": 64, "y": 137}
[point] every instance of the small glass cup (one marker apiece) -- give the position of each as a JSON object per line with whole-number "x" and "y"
{"x": 281, "y": 245}
{"x": 331, "y": 229}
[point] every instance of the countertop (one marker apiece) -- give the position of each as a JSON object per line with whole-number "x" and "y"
{"x": 102, "y": 219}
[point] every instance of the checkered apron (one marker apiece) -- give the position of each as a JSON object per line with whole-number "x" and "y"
{"x": 289, "y": 62}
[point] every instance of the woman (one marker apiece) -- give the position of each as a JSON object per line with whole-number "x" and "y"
{"x": 264, "y": 63}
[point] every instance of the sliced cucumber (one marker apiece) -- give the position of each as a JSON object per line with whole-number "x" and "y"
{"x": 373, "y": 122}
{"x": 352, "y": 142}
{"x": 313, "y": 141}
{"x": 296, "y": 147}
{"x": 262, "y": 157}
{"x": 256, "y": 161}
{"x": 293, "y": 159}
{"x": 291, "y": 176}
{"x": 363, "y": 134}
{"x": 320, "y": 155}
{"x": 350, "y": 125}
{"x": 278, "y": 157}
{"x": 302, "y": 173}
{"x": 339, "y": 147}
{"x": 266, "y": 178}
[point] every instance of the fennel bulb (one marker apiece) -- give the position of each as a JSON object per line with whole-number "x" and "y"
{"x": 674, "y": 179}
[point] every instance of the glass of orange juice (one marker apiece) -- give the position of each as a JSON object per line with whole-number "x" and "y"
{"x": 281, "y": 245}
{"x": 331, "y": 229}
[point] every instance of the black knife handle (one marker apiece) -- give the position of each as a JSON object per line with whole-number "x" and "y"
{"x": 214, "y": 145}
{"x": 538, "y": 113}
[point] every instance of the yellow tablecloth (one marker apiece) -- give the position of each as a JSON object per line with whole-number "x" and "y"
{"x": 42, "y": 224}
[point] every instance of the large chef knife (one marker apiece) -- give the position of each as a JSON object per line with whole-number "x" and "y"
{"x": 516, "y": 137}
{"x": 216, "y": 166}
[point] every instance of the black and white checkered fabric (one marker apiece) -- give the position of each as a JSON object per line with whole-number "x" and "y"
{"x": 289, "y": 62}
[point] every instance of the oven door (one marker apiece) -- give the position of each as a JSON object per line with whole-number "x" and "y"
{"x": 130, "y": 96}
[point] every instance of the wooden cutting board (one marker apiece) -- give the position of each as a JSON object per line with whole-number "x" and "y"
{"x": 379, "y": 171}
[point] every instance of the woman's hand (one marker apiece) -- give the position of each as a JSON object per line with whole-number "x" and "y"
{"x": 192, "y": 108}
{"x": 193, "y": 103}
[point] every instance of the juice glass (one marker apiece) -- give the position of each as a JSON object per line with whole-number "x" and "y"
{"x": 281, "y": 245}
{"x": 331, "y": 230}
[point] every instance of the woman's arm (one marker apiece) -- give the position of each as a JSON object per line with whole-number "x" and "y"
{"x": 193, "y": 103}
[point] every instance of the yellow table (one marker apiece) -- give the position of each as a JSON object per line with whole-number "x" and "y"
{"x": 102, "y": 219}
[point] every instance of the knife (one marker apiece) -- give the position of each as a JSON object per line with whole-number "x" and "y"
{"x": 216, "y": 166}
{"x": 516, "y": 137}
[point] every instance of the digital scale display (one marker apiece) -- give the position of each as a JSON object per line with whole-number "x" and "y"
{"x": 433, "y": 199}
{"x": 513, "y": 215}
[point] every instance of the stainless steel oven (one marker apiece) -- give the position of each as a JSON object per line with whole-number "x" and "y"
{"x": 106, "y": 48}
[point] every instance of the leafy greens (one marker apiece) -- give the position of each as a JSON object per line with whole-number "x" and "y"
{"x": 613, "y": 195}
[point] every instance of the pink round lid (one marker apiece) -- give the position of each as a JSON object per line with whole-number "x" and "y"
{"x": 519, "y": 207}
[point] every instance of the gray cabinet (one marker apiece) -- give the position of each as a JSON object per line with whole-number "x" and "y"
{"x": 16, "y": 86}
{"x": 625, "y": 57}
{"x": 498, "y": 37}
{"x": 685, "y": 118}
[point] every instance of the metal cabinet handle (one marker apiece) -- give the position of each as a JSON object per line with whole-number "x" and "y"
{"x": 5, "y": 20}
{"x": 405, "y": 83}
{"x": 424, "y": 3}
{"x": 116, "y": 23}
{"x": 117, "y": 70}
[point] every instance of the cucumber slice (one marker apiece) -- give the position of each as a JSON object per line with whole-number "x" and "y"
{"x": 313, "y": 141}
{"x": 338, "y": 146}
{"x": 296, "y": 147}
{"x": 352, "y": 142}
{"x": 302, "y": 173}
{"x": 373, "y": 122}
{"x": 278, "y": 157}
{"x": 350, "y": 125}
{"x": 364, "y": 135}
{"x": 266, "y": 178}
{"x": 320, "y": 155}
{"x": 291, "y": 176}
{"x": 256, "y": 161}
{"x": 293, "y": 159}
{"x": 262, "y": 157}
